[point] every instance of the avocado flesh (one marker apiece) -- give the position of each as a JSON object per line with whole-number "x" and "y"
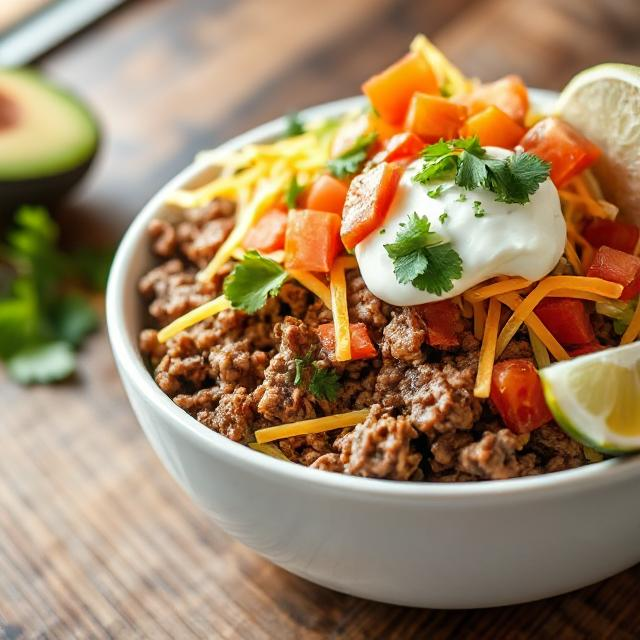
{"x": 47, "y": 139}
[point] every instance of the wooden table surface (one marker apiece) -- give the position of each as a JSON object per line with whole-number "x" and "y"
{"x": 96, "y": 540}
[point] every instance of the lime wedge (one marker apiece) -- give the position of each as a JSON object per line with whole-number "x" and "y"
{"x": 596, "y": 398}
{"x": 603, "y": 103}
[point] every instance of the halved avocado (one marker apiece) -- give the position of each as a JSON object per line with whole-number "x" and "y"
{"x": 48, "y": 139}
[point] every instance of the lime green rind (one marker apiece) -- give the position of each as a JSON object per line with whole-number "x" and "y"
{"x": 69, "y": 158}
{"x": 565, "y": 424}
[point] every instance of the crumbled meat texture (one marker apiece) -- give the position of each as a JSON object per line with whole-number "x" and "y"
{"x": 404, "y": 337}
{"x": 495, "y": 457}
{"x": 235, "y": 373}
{"x": 381, "y": 447}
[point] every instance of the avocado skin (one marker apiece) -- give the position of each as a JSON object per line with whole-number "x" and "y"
{"x": 46, "y": 191}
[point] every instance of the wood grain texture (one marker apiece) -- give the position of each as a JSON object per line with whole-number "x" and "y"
{"x": 96, "y": 540}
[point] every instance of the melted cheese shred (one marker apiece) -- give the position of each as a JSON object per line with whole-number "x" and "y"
{"x": 496, "y": 289}
{"x": 488, "y": 350}
{"x": 192, "y": 317}
{"x": 633, "y": 329}
{"x": 479, "y": 319}
{"x": 572, "y": 257}
{"x": 513, "y": 301}
{"x": 315, "y": 425}
{"x": 314, "y": 284}
{"x": 340, "y": 309}
{"x": 271, "y": 450}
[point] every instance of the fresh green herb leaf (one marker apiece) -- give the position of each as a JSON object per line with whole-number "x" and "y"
{"x": 292, "y": 193}
{"x": 91, "y": 267}
{"x": 443, "y": 216}
{"x": 252, "y": 281}
{"x": 42, "y": 363}
{"x": 73, "y": 319}
{"x": 513, "y": 179}
{"x": 478, "y": 209}
{"x": 294, "y": 126}
{"x": 301, "y": 364}
{"x": 324, "y": 383}
{"x": 423, "y": 258}
{"x": 462, "y": 197}
{"x": 382, "y": 231}
{"x": 352, "y": 159}
{"x": 437, "y": 192}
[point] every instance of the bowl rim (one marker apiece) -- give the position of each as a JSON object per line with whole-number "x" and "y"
{"x": 129, "y": 360}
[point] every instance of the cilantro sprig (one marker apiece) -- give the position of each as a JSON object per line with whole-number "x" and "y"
{"x": 512, "y": 179}
{"x": 423, "y": 258}
{"x": 252, "y": 281}
{"x": 351, "y": 160}
{"x": 293, "y": 191}
{"x": 44, "y": 315}
{"x": 294, "y": 126}
{"x": 324, "y": 383}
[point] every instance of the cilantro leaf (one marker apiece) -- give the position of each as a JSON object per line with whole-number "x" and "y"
{"x": 252, "y": 281}
{"x": 436, "y": 192}
{"x": 478, "y": 210}
{"x": 512, "y": 179}
{"x": 293, "y": 191}
{"x": 351, "y": 160}
{"x": 443, "y": 216}
{"x": 423, "y": 258}
{"x": 294, "y": 126}
{"x": 301, "y": 364}
{"x": 324, "y": 383}
{"x": 444, "y": 266}
{"x": 42, "y": 363}
{"x": 73, "y": 319}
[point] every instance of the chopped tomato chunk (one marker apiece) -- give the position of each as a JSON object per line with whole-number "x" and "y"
{"x": 557, "y": 142}
{"x": 361, "y": 345}
{"x": 312, "y": 240}
{"x": 368, "y": 200}
{"x": 443, "y": 322}
{"x": 509, "y": 94}
{"x": 494, "y": 128}
{"x": 402, "y": 146}
{"x": 434, "y": 117}
{"x": 617, "y": 266}
{"x": 390, "y": 91}
{"x": 517, "y": 394}
{"x": 567, "y": 319}
{"x": 327, "y": 194}
{"x": 268, "y": 233}
{"x": 585, "y": 349}
{"x": 614, "y": 234}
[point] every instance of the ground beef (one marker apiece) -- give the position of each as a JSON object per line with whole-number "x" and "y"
{"x": 381, "y": 447}
{"x": 236, "y": 373}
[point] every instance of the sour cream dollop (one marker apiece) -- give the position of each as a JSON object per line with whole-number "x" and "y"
{"x": 510, "y": 239}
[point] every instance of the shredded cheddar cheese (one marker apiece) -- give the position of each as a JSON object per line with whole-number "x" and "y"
{"x": 314, "y": 284}
{"x": 479, "y": 318}
{"x": 488, "y": 350}
{"x": 497, "y": 288}
{"x": 572, "y": 257}
{"x": 340, "y": 310}
{"x": 315, "y": 425}
{"x": 580, "y": 295}
{"x": 633, "y": 329}
{"x": 265, "y": 194}
{"x": 194, "y": 316}
{"x": 271, "y": 450}
{"x": 513, "y": 301}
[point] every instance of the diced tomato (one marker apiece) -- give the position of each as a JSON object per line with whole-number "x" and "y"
{"x": 268, "y": 233}
{"x": 361, "y": 345}
{"x": 509, "y": 94}
{"x": 312, "y": 240}
{"x": 402, "y": 146}
{"x": 494, "y": 128}
{"x": 443, "y": 322}
{"x": 517, "y": 394}
{"x": 390, "y": 91}
{"x": 617, "y": 266}
{"x": 614, "y": 234}
{"x": 567, "y": 320}
{"x": 585, "y": 349}
{"x": 434, "y": 117}
{"x": 557, "y": 142}
{"x": 368, "y": 200}
{"x": 327, "y": 194}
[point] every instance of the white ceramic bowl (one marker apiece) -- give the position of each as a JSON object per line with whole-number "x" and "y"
{"x": 428, "y": 545}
